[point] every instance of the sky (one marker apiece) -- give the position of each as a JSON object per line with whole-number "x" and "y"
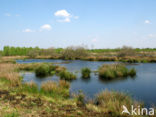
{"x": 90, "y": 23}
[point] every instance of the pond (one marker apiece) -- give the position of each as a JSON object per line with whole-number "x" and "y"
{"x": 142, "y": 87}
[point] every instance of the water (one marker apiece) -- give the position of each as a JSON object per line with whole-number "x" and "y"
{"x": 142, "y": 87}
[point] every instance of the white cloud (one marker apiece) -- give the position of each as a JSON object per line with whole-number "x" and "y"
{"x": 62, "y": 13}
{"x": 64, "y": 16}
{"x": 45, "y": 27}
{"x": 7, "y": 14}
{"x": 28, "y": 30}
{"x": 147, "y": 21}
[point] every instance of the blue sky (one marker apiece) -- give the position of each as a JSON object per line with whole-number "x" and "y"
{"x": 62, "y": 23}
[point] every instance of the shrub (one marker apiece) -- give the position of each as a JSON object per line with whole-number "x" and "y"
{"x": 85, "y": 73}
{"x": 66, "y": 75}
{"x": 33, "y": 53}
{"x": 42, "y": 70}
{"x": 111, "y": 71}
{"x": 74, "y": 52}
{"x": 126, "y": 51}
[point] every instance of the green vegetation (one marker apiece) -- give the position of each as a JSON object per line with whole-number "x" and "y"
{"x": 110, "y": 101}
{"x": 112, "y": 71}
{"x": 66, "y": 75}
{"x": 53, "y": 89}
{"x": 85, "y": 72}
{"x": 126, "y": 51}
{"x": 124, "y": 54}
{"x": 43, "y": 70}
{"x": 30, "y": 87}
{"x": 74, "y": 53}
{"x": 52, "y": 100}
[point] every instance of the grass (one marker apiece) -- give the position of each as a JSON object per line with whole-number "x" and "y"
{"x": 85, "y": 72}
{"x": 66, "y": 75}
{"x": 112, "y": 71}
{"x": 30, "y": 87}
{"x": 55, "y": 90}
{"x": 53, "y": 98}
{"x": 111, "y": 102}
{"x": 43, "y": 70}
{"x": 8, "y": 71}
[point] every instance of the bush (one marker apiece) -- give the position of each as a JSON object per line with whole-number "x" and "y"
{"x": 33, "y": 53}
{"x": 126, "y": 51}
{"x": 42, "y": 70}
{"x": 66, "y": 75}
{"x": 111, "y": 71}
{"x": 74, "y": 53}
{"x": 85, "y": 73}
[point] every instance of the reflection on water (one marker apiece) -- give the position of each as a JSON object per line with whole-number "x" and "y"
{"x": 141, "y": 87}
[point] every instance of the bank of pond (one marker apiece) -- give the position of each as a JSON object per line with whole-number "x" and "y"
{"x": 94, "y": 76}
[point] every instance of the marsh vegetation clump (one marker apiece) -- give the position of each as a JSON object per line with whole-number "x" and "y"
{"x": 126, "y": 51}
{"x": 54, "y": 89}
{"x": 85, "y": 72}
{"x": 9, "y": 72}
{"x": 112, "y": 71}
{"x": 111, "y": 102}
{"x": 74, "y": 53}
{"x": 66, "y": 75}
{"x": 30, "y": 87}
{"x": 42, "y": 70}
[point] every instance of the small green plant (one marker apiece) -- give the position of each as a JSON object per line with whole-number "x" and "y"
{"x": 66, "y": 75}
{"x": 85, "y": 73}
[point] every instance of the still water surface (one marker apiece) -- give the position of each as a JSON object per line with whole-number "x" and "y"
{"x": 142, "y": 87}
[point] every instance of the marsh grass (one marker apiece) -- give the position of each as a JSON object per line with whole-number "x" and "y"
{"x": 42, "y": 70}
{"x": 66, "y": 75}
{"x": 64, "y": 84}
{"x": 112, "y": 71}
{"x": 30, "y": 87}
{"x": 8, "y": 71}
{"x": 85, "y": 72}
{"x": 111, "y": 102}
{"x": 53, "y": 89}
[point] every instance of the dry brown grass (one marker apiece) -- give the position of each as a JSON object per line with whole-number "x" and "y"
{"x": 64, "y": 84}
{"x": 49, "y": 86}
{"x": 8, "y": 71}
